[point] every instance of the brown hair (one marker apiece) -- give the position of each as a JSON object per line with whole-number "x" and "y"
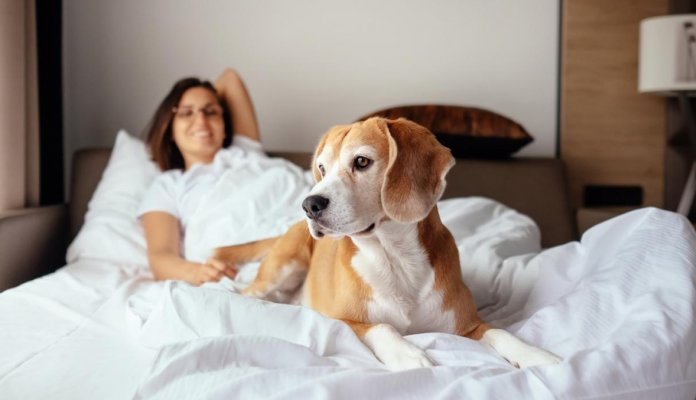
{"x": 160, "y": 140}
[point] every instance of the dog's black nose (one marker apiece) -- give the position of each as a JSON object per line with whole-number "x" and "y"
{"x": 314, "y": 205}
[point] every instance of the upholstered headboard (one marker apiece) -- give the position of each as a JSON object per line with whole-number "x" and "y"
{"x": 533, "y": 186}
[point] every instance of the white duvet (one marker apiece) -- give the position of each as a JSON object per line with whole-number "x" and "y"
{"x": 618, "y": 306}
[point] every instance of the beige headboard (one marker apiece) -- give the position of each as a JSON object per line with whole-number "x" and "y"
{"x": 533, "y": 186}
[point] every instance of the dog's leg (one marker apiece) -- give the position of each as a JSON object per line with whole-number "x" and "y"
{"x": 517, "y": 352}
{"x": 284, "y": 269}
{"x": 279, "y": 282}
{"x": 389, "y": 346}
{"x": 513, "y": 349}
{"x": 244, "y": 253}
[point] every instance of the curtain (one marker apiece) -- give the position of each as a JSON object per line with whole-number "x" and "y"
{"x": 19, "y": 137}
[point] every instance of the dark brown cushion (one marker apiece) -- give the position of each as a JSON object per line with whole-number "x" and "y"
{"x": 469, "y": 132}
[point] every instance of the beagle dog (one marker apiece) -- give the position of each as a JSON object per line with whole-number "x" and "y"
{"x": 373, "y": 251}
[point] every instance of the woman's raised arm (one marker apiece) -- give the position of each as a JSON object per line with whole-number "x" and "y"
{"x": 231, "y": 87}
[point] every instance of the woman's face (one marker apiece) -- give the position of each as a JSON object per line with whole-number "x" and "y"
{"x": 198, "y": 127}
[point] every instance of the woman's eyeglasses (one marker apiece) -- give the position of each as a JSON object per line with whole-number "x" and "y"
{"x": 189, "y": 113}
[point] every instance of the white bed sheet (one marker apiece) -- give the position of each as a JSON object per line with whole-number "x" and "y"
{"x": 619, "y": 307}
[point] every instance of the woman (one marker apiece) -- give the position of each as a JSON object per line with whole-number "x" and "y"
{"x": 190, "y": 126}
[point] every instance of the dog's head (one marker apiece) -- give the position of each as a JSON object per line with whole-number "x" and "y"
{"x": 373, "y": 171}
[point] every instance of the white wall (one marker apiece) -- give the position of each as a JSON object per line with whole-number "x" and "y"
{"x": 310, "y": 64}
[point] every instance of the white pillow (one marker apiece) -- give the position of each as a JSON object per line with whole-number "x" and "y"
{"x": 111, "y": 230}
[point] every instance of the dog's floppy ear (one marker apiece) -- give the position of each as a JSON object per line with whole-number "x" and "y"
{"x": 338, "y": 130}
{"x": 415, "y": 177}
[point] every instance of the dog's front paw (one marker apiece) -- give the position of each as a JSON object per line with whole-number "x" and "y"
{"x": 393, "y": 350}
{"x": 536, "y": 356}
{"x": 517, "y": 352}
{"x": 407, "y": 357}
{"x": 255, "y": 291}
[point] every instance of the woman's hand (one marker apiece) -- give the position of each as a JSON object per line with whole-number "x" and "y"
{"x": 163, "y": 236}
{"x": 213, "y": 270}
{"x": 228, "y": 75}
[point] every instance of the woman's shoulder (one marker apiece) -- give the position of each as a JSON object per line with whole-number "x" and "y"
{"x": 241, "y": 150}
{"x": 246, "y": 143}
{"x": 171, "y": 177}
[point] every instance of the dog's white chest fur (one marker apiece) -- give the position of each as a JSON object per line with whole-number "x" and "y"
{"x": 395, "y": 266}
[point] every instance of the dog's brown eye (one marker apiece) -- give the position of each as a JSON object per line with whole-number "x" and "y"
{"x": 361, "y": 162}
{"x": 321, "y": 169}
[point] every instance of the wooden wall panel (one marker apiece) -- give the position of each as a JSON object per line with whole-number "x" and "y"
{"x": 610, "y": 133}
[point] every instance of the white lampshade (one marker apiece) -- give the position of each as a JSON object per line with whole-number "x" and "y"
{"x": 667, "y": 61}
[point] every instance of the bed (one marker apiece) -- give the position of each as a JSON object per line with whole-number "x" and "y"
{"x": 618, "y": 305}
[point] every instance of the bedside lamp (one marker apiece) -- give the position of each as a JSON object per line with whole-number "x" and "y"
{"x": 667, "y": 67}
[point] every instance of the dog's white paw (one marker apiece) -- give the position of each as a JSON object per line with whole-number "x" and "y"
{"x": 517, "y": 352}
{"x": 255, "y": 293}
{"x": 393, "y": 350}
{"x": 535, "y": 356}
{"x": 406, "y": 358}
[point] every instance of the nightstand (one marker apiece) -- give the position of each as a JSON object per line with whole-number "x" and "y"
{"x": 586, "y": 218}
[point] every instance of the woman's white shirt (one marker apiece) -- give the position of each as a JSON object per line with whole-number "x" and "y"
{"x": 241, "y": 196}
